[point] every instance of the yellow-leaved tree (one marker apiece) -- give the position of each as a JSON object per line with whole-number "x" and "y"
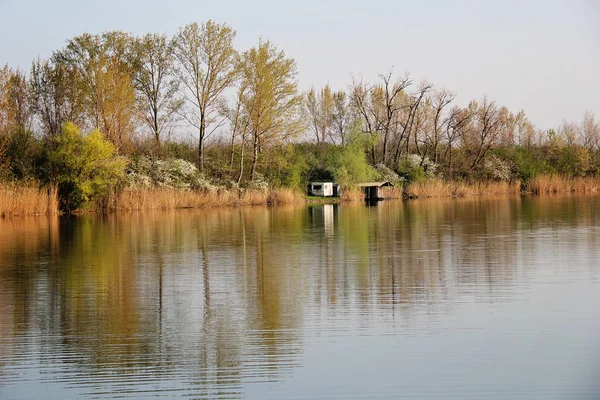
{"x": 270, "y": 99}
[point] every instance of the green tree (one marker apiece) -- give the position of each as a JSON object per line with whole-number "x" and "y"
{"x": 83, "y": 167}
{"x": 349, "y": 165}
{"x": 271, "y": 98}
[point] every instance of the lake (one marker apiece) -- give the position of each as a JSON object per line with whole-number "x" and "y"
{"x": 479, "y": 298}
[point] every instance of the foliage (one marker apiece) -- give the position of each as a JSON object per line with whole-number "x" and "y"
{"x": 497, "y": 169}
{"x": 413, "y": 168}
{"x": 270, "y": 99}
{"x": 386, "y": 174}
{"x": 170, "y": 173}
{"x": 349, "y": 165}
{"x": 83, "y": 167}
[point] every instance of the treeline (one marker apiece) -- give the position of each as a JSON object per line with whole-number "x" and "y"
{"x": 155, "y": 103}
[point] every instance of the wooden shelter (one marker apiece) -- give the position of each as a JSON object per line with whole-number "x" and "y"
{"x": 371, "y": 189}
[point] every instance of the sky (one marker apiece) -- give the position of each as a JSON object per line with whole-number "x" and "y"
{"x": 541, "y": 56}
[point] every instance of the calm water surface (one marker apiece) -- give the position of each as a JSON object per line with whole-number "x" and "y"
{"x": 456, "y": 299}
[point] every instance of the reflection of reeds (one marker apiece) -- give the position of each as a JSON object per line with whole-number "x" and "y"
{"x": 27, "y": 199}
{"x": 168, "y": 199}
{"x": 556, "y": 183}
{"x": 440, "y": 188}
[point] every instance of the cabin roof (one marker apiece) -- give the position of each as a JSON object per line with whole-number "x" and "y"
{"x": 375, "y": 184}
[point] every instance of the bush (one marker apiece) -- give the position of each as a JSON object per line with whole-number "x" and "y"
{"x": 172, "y": 173}
{"x": 349, "y": 165}
{"x": 414, "y": 169}
{"x": 84, "y": 168}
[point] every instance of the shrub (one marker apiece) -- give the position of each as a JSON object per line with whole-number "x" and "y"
{"x": 84, "y": 168}
{"x": 172, "y": 173}
{"x": 413, "y": 168}
{"x": 349, "y": 164}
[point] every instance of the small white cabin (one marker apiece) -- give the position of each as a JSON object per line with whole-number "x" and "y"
{"x": 324, "y": 189}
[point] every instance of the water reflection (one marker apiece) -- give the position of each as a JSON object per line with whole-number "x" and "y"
{"x": 217, "y": 303}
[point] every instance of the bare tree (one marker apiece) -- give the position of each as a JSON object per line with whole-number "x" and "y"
{"x": 440, "y": 101}
{"x": 206, "y": 69}
{"x": 341, "y": 118}
{"x": 379, "y": 107}
{"x": 590, "y": 132}
{"x": 411, "y": 106}
{"x": 458, "y": 121}
{"x": 152, "y": 65}
{"x": 55, "y": 99}
{"x": 487, "y": 125}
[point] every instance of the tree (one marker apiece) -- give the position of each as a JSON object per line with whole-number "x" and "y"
{"x": 271, "y": 99}
{"x": 318, "y": 109}
{"x": 152, "y": 65}
{"x": 207, "y": 67}
{"x": 98, "y": 65}
{"x": 16, "y": 137}
{"x": 487, "y": 125}
{"x": 440, "y": 101}
{"x": 458, "y": 121}
{"x": 342, "y": 118}
{"x": 15, "y": 112}
{"x": 55, "y": 97}
{"x": 83, "y": 167}
{"x": 590, "y": 132}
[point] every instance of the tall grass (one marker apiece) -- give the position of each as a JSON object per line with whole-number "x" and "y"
{"x": 441, "y": 188}
{"x": 352, "y": 195}
{"x": 140, "y": 199}
{"x": 27, "y": 199}
{"x": 556, "y": 183}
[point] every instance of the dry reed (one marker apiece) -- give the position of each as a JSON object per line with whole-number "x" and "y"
{"x": 352, "y": 195}
{"x": 556, "y": 183}
{"x": 141, "y": 199}
{"x": 440, "y": 188}
{"x": 27, "y": 199}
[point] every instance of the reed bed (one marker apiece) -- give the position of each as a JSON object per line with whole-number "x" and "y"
{"x": 352, "y": 195}
{"x": 556, "y": 184}
{"x": 440, "y": 188}
{"x": 27, "y": 199}
{"x": 142, "y": 199}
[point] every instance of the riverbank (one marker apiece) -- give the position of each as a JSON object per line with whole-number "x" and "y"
{"x": 28, "y": 199}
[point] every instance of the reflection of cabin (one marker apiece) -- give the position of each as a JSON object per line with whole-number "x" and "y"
{"x": 323, "y": 189}
{"x": 372, "y": 189}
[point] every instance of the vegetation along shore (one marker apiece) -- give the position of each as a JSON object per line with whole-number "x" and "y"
{"x": 117, "y": 122}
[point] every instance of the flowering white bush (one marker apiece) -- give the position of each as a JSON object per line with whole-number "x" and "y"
{"x": 429, "y": 167}
{"x": 173, "y": 173}
{"x": 387, "y": 175}
{"x": 496, "y": 168}
{"x": 259, "y": 183}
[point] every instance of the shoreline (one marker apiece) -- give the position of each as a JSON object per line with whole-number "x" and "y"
{"x": 27, "y": 199}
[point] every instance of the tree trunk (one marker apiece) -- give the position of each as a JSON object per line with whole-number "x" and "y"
{"x": 241, "y": 162}
{"x": 201, "y": 143}
{"x": 254, "y": 159}
{"x": 232, "y": 158}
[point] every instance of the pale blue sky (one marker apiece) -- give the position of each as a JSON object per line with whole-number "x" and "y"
{"x": 539, "y": 55}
